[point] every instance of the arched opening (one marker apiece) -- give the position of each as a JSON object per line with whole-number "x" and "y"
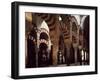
{"x": 74, "y": 32}
{"x": 60, "y": 56}
{"x": 86, "y": 32}
{"x": 74, "y": 27}
{"x": 49, "y": 21}
{"x": 43, "y": 35}
{"x": 74, "y": 47}
{"x": 43, "y": 55}
{"x": 86, "y": 37}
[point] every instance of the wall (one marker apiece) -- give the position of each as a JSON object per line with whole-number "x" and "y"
{"x": 5, "y": 40}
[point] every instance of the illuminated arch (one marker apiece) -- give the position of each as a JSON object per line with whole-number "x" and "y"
{"x": 82, "y": 21}
{"x": 75, "y": 27}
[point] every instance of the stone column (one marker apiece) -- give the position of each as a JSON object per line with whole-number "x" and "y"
{"x": 55, "y": 39}
{"x": 55, "y": 52}
{"x": 37, "y": 49}
{"x": 70, "y": 31}
{"x": 75, "y": 51}
{"x": 68, "y": 56}
{"x": 84, "y": 58}
{"x": 80, "y": 54}
{"x": 26, "y": 50}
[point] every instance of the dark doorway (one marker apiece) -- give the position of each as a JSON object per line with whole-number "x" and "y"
{"x": 43, "y": 55}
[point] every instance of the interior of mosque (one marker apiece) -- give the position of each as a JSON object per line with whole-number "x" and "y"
{"x": 56, "y": 39}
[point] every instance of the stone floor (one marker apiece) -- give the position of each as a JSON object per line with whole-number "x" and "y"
{"x": 74, "y": 64}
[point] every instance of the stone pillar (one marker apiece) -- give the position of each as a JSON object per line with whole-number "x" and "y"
{"x": 54, "y": 56}
{"x": 80, "y": 54}
{"x": 38, "y": 35}
{"x": 26, "y": 50}
{"x": 55, "y": 39}
{"x": 84, "y": 58}
{"x": 37, "y": 49}
{"x": 70, "y": 31}
{"x": 75, "y": 51}
{"x": 78, "y": 34}
{"x": 68, "y": 56}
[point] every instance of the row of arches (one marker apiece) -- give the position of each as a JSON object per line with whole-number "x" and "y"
{"x": 79, "y": 36}
{"x": 38, "y": 45}
{"x": 61, "y": 42}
